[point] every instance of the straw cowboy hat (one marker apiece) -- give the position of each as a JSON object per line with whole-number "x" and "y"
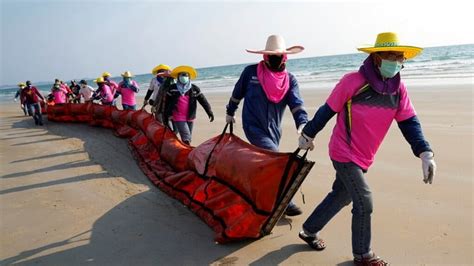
{"x": 160, "y": 67}
{"x": 21, "y": 85}
{"x": 127, "y": 74}
{"x": 180, "y": 69}
{"x": 388, "y": 41}
{"x": 276, "y": 46}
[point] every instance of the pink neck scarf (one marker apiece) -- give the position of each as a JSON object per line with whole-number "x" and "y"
{"x": 275, "y": 84}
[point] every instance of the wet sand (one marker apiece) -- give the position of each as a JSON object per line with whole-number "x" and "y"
{"x": 72, "y": 194}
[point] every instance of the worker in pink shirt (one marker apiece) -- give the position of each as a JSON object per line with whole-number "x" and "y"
{"x": 59, "y": 93}
{"x": 181, "y": 102}
{"x": 366, "y": 103}
{"x": 112, "y": 84}
{"x": 103, "y": 93}
{"x": 128, "y": 88}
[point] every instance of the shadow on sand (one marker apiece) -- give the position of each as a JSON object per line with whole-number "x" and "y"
{"x": 148, "y": 228}
{"x": 138, "y": 231}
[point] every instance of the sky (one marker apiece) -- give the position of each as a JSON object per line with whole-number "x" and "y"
{"x": 42, "y": 40}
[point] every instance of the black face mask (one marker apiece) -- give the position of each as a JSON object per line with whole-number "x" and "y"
{"x": 274, "y": 63}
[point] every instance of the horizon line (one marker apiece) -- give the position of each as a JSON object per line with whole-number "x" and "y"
{"x": 216, "y": 66}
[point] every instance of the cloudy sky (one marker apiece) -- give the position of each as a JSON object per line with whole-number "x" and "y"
{"x": 41, "y": 40}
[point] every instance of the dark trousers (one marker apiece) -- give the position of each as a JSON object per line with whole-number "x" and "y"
{"x": 35, "y": 110}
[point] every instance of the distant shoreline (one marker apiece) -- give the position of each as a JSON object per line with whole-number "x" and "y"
{"x": 292, "y": 61}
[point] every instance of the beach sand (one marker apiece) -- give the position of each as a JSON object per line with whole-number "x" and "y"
{"x": 72, "y": 194}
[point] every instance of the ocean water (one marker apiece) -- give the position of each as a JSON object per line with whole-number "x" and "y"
{"x": 446, "y": 64}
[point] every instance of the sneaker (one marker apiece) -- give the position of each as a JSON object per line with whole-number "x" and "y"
{"x": 293, "y": 210}
{"x": 373, "y": 261}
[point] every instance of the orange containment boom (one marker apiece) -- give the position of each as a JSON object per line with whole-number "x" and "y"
{"x": 239, "y": 190}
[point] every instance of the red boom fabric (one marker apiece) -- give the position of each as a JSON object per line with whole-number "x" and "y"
{"x": 233, "y": 186}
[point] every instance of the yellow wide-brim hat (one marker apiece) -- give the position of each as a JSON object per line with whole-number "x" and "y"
{"x": 127, "y": 74}
{"x": 106, "y": 74}
{"x": 388, "y": 41}
{"x": 160, "y": 67}
{"x": 99, "y": 80}
{"x": 21, "y": 85}
{"x": 190, "y": 70}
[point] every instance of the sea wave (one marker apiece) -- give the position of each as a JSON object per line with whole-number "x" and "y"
{"x": 437, "y": 63}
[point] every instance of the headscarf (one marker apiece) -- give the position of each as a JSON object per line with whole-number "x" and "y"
{"x": 274, "y": 84}
{"x": 375, "y": 80}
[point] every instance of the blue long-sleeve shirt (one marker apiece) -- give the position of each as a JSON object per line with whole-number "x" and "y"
{"x": 261, "y": 118}
{"x": 319, "y": 121}
{"x": 411, "y": 130}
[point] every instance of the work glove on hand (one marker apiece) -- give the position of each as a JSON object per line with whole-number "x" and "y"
{"x": 429, "y": 166}
{"x": 211, "y": 117}
{"x": 15, "y": 100}
{"x": 305, "y": 142}
{"x": 300, "y": 129}
{"x": 229, "y": 119}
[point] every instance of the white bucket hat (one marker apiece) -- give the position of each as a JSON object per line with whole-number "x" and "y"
{"x": 276, "y": 45}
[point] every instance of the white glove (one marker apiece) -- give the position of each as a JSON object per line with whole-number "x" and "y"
{"x": 229, "y": 119}
{"x": 300, "y": 129}
{"x": 429, "y": 166}
{"x": 14, "y": 99}
{"x": 305, "y": 142}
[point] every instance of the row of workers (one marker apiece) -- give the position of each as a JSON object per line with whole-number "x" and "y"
{"x": 365, "y": 102}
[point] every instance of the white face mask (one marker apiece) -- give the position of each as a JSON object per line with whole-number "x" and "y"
{"x": 390, "y": 69}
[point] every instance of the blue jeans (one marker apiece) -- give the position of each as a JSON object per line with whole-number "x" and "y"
{"x": 129, "y": 107}
{"x": 185, "y": 130}
{"x": 35, "y": 110}
{"x": 350, "y": 186}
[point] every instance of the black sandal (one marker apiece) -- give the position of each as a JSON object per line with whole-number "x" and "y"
{"x": 314, "y": 242}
